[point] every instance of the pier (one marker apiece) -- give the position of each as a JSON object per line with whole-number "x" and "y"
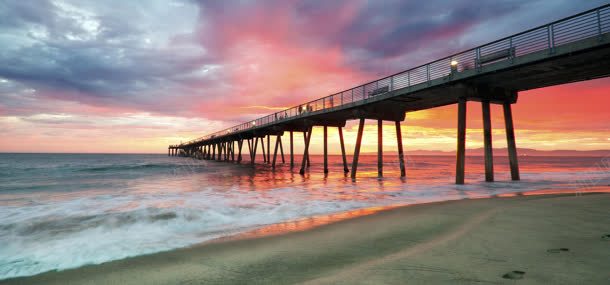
{"x": 572, "y": 49}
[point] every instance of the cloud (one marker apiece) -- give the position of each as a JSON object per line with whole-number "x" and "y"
{"x": 99, "y": 53}
{"x": 232, "y": 61}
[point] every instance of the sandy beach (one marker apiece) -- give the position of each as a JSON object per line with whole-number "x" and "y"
{"x": 542, "y": 239}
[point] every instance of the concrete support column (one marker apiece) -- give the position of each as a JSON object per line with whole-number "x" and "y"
{"x": 281, "y": 149}
{"x": 269, "y": 149}
{"x": 263, "y": 147}
{"x": 357, "y": 149}
{"x": 254, "y": 147}
{"x": 224, "y": 151}
{"x": 220, "y": 151}
{"x": 232, "y": 150}
{"x": 380, "y": 148}
{"x": 461, "y": 142}
{"x": 489, "y": 165}
{"x": 227, "y": 150}
{"x": 401, "y": 156}
{"x": 307, "y": 135}
{"x": 305, "y": 141}
{"x": 291, "y": 151}
{"x": 325, "y": 149}
{"x": 510, "y": 139}
{"x": 277, "y": 144}
{"x": 240, "y": 144}
{"x": 250, "y": 149}
{"x": 345, "y": 169}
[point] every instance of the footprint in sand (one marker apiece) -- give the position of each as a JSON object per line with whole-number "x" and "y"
{"x": 557, "y": 250}
{"x": 515, "y": 274}
{"x": 606, "y": 237}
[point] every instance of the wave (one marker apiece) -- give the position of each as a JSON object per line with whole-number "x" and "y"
{"x": 71, "y": 233}
{"x": 129, "y": 167}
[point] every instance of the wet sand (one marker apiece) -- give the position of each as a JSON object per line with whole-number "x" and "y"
{"x": 545, "y": 239}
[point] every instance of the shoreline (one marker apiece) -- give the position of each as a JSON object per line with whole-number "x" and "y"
{"x": 309, "y": 223}
{"x": 348, "y": 247}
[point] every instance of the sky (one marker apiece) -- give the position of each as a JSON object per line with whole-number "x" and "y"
{"x": 136, "y": 76}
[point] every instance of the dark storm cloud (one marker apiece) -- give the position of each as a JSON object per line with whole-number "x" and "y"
{"x": 92, "y": 54}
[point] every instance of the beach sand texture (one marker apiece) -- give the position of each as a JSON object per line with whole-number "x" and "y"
{"x": 546, "y": 239}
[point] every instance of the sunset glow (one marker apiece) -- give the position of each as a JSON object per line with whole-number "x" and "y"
{"x": 86, "y": 77}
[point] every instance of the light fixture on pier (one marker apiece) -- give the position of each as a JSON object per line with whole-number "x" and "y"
{"x": 254, "y": 123}
{"x": 454, "y": 66}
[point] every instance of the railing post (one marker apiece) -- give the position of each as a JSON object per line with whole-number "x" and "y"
{"x": 392, "y": 83}
{"x": 363, "y": 92}
{"x": 551, "y": 39}
{"x": 548, "y": 37}
{"x": 510, "y": 50}
{"x": 477, "y": 62}
{"x": 325, "y": 149}
{"x": 428, "y": 74}
{"x": 409, "y": 78}
{"x": 380, "y": 148}
{"x": 599, "y": 25}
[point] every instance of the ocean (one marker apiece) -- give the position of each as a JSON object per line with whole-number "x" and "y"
{"x": 60, "y": 211}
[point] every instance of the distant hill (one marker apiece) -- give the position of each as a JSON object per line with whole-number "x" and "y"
{"x": 520, "y": 151}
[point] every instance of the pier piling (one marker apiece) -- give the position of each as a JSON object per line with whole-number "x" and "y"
{"x": 489, "y": 166}
{"x": 510, "y": 139}
{"x": 268, "y": 148}
{"x": 307, "y": 135}
{"x": 345, "y": 169}
{"x": 240, "y": 144}
{"x": 291, "y": 151}
{"x": 263, "y": 148}
{"x": 277, "y": 144}
{"x": 357, "y": 148}
{"x": 401, "y": 156}
{"x": 281, "y": 149}
{"x": 461, "y": 142}
{"x": 254, "y": 150}
{"x": 214, "y": 151}
{"x": 325, "y": 149}
{"x": 379, "y": 148}
{"x": 305, "y": 142}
